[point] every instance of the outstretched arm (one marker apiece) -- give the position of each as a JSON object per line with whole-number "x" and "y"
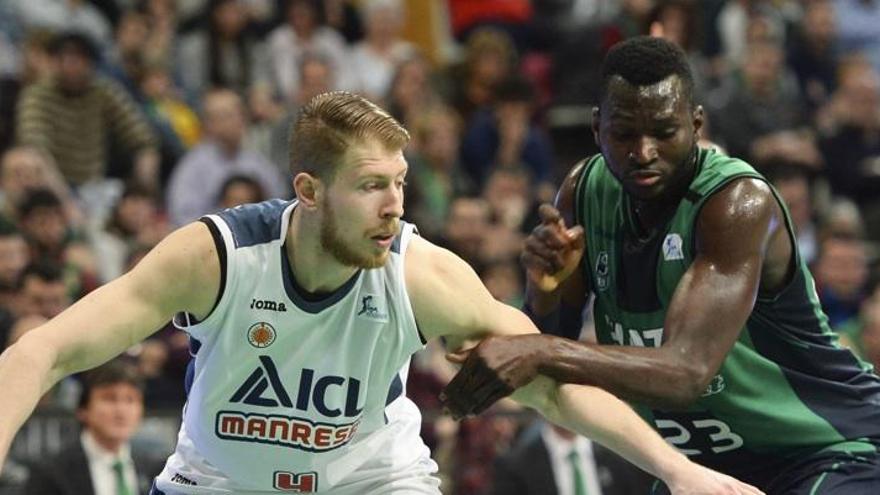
{"x": 469, "y": 312}
{"x": 717, "y": 293}
{"x": 182, "y": 273}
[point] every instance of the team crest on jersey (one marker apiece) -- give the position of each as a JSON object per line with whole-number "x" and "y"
{"x": 716, "y": 386}
{"x": 372, "y": 307}
{"x": 602, "y": 271}
{"x": 672, "y": 248}
{"x": 261, "y": 335}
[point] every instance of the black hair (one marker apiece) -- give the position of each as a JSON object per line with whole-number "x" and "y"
{"x": 78, "y": 41}
{"x": 247, "y": 180}
{"x": 46, "y": 271}
{"x": 111, "y": 373}
{"x": 38, "y": 198}
{"x": 644, "y": 61}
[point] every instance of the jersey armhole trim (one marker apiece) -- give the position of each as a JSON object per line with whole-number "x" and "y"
{"x": 220, "y": 245}
{"x": 580, "y": 215}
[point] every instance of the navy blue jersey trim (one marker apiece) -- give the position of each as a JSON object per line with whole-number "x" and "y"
{"x": 154, "y": 490}
{"x": 221, "y": 254}
{"x": 395, "y": 390}
{"x": 295, "y": 292}
{"x": 826, "y": 378}
{"x": 254, "y": 224}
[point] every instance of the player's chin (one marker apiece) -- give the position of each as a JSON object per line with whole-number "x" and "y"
{"x": 376, "y": 260}
{"x": 645, "y": 193}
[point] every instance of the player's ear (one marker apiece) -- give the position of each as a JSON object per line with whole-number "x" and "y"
{"x": 698, "y": 118}
{"x": 308, "y": 190}
{"x": 594, "y": 125}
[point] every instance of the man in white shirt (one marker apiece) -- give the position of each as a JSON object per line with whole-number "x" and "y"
{"x": 101, "y": 462}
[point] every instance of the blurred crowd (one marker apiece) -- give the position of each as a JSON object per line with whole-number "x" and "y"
{"x": 123, "y": 119}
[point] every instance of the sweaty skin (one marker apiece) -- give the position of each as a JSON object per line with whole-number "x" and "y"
{"x": 742, "y": 248}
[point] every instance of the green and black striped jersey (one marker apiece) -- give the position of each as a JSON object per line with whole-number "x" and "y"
{"x": 785, "y": 391}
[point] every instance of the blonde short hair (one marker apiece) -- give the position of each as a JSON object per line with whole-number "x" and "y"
{"x": 332, "y": 122}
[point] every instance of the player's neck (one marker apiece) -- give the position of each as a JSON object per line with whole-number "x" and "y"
{"x": 314, "y": 269}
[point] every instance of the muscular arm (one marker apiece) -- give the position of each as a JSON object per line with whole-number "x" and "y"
{"x": 182, "y": 273}
{"x": 468, "y": 311}
{"x": 707, "y": 311}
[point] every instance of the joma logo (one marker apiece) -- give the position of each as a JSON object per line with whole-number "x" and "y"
{"x": 268, "y": 305}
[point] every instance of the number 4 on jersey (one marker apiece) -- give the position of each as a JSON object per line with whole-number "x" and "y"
{"x": 296, "y": 483}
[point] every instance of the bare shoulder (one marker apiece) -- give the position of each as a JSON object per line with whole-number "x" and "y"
{"x": 567, "y": 191}
{"x": 428, "y": 265}
{"x": 185, "y": 266}
{"x": 741, "y": 215}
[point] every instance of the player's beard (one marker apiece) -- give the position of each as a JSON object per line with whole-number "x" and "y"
{"x": 333, "y": 243}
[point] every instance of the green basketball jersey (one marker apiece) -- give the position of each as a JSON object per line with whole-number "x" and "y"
{"x": 786, "y": 390}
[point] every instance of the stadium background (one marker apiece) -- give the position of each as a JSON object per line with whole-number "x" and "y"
{"x": 196, "y": 98}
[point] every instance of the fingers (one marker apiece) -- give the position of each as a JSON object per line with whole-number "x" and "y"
{"x": 538, "y": 255}
{"x": 457, "y": 357}
{"x": 458, "y": 396}
{"x": 491, "y": 394}
{"x": 576, "y": 234}
{"x": 549, "y": 214}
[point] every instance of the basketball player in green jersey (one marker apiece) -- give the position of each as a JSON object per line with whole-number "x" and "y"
{"x": 706, "y": 316}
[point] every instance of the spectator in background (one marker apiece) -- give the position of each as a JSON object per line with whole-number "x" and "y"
{"x": 504, "y": 281}
{"x": 14, "y": 258}
{"x": 678, "y": 21}
{"x": 503, "y": 136}
{"x": 240, "y": 190}
{"x": 102, "y": 460}
{"x": 67, "y": 15}
{"x": 411, "y": 92}
{"x": 344, "y": 18}
{"x": 513, "y": 16}
{"x": 134, "y": 222}
{"x": 42, "y": 291}
{"x": 374, "y": 60}
{"x": 794, "y": 187}
{"x": 176, "y": 124}
{"x": 465, "y": 232}
{"x": 316, "y": 77}
{"x": 857, "y": 22}
{"x": 862, "y": 333}
{"x": 225, "y": 54}
{"x": 841, "y": 274}
{"x": 550, "y": 460}
{"x": 740, "y": 23}
{"x": 435, "y": 175}
{"x": 76, "y": 116}
{"x": 264, "y": 112}
{"x": 489, "y": 58}
{"x": 44, "y": 224}
{"x": 629, "y": 21}
{"x": 35, "y": 63}
{"x": 196, "y": 181}
{"x": 23, "y": 169}
{"x": 124, "y": 61}
{"x": 759, "y": 104}
{"x": 304, "y": 34}
{"x": 812, "y": 53}
{"x": 851, "y": 134}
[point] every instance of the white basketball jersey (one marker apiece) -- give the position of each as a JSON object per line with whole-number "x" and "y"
{"x": 297, "y": 395}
